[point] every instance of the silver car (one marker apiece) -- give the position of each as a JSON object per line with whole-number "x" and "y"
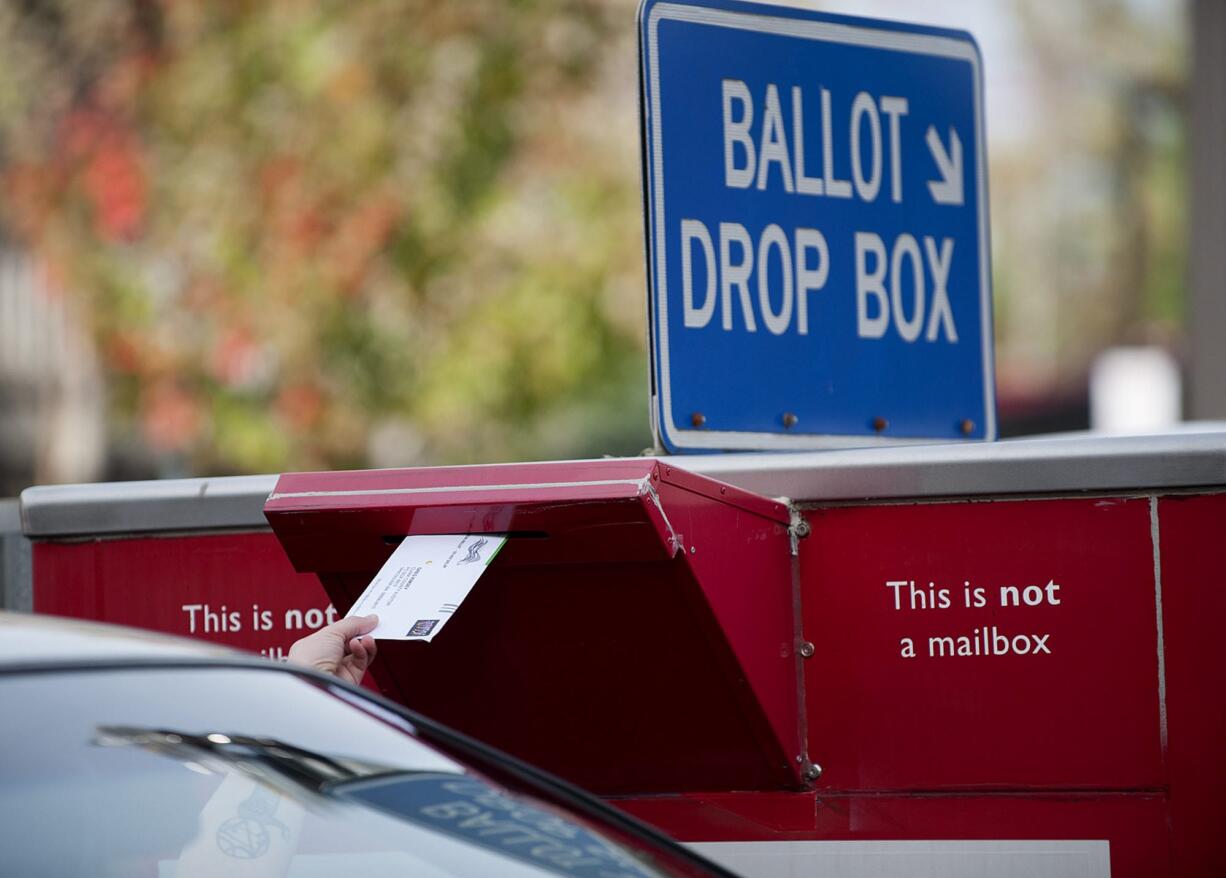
{"x": 124, "y": 753}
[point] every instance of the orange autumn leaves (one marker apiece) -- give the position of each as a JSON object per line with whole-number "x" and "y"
{"x": 293, "y": 227}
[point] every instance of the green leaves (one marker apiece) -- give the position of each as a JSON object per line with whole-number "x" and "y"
{"x": 333, "y": 234}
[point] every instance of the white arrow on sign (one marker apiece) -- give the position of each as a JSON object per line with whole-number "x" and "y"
{"x": 947, "y": 190}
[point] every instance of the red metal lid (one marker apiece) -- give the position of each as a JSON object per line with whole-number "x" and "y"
{"x": 635, "y": 635}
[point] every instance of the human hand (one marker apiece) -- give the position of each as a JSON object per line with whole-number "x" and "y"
{"x": 343, "y": 648}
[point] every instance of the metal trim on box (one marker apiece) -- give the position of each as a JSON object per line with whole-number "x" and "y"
{"x": 146, "y": 507}
{"x": 1064, "y": 464}
{"x": 1021, "y": 466}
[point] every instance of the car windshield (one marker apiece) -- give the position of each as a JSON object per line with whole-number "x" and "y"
{"x": 252, "y": 772}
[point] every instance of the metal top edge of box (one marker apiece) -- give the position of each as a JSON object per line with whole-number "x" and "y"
{"x": 109, "y": 508}
{"x": 1057, "y": 464}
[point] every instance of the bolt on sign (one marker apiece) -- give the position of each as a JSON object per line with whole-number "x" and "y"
{"x": 817, "y": 229}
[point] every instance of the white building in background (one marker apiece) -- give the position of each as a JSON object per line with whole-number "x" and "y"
{"x": 52, "y": 406}
{"x": 1135, "y": 390}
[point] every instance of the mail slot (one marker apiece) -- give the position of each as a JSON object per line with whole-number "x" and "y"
{"x": 636, "y": 634}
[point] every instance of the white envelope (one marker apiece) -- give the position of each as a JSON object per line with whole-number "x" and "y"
{"x": 424, "y": 582}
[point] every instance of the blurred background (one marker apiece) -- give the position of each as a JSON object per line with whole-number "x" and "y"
{"x": 246, "y": 237}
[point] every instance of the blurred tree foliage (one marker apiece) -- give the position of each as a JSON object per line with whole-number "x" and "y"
{"x": 334, "y": 234}
{"x": 1090, "y": 236}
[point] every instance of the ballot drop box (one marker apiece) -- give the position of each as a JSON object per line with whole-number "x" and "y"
{"x": 1000, "y": 659}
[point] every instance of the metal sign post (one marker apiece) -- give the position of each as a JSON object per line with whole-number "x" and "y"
{"x": 817, "y": 229}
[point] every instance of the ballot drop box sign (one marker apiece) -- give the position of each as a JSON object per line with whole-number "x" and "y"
{"x": 816, "y": 201}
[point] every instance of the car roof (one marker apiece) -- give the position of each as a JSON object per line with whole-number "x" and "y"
{"x": 31, "y": 639}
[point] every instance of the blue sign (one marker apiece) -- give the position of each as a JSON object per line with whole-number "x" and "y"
{"x": 817, "y": 228}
